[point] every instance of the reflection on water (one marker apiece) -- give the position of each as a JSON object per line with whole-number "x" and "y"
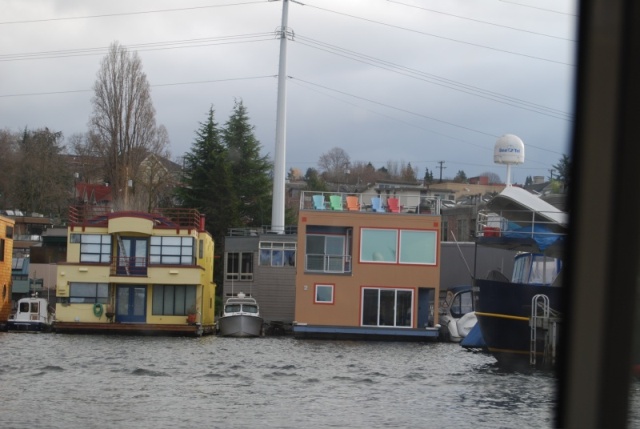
{"x": 77, "y": 381}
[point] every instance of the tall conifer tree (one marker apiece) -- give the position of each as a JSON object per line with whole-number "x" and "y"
{"x": 250, "y": 170}
{"x": 207, "y": 184}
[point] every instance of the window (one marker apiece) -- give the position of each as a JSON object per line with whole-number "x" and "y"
{"x": 324, "y": 294}
{"x": 277, "y": 254}
{"x": 88, "y": 293}
{"x": 9, "y": 232}
{"x": 169, "y": 300}
{"x": 418, "y": 247}
{"x": 95, "y": 248}
{"x": 378, "y": 245}
{"x": 413, "y": 247}
{"x": 328, "y": 253}
{"x": 387, "y": 307}
{"x": 172, "y": 251}
{"x": 239, "y": 266}
{"x": 1, "y": 249}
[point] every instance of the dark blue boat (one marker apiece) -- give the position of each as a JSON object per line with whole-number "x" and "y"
{"x": 519, "y": 317}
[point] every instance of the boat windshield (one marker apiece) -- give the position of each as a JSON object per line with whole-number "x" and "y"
{"x": 250, "y": 308}
{"x": 232, "y": 308}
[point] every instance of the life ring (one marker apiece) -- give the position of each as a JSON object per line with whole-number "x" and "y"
{"x": 98, "y": 310}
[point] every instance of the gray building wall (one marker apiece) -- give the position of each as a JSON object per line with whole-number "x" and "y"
{"x": 454, "y": 272}
{"x": 272, "y": 287}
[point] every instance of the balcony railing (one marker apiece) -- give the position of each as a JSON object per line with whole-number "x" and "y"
{"x": 129, "y": 266}
{"x": 328, "y": 263}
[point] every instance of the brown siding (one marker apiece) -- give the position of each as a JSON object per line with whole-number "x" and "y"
{"x": 345, "y": 311}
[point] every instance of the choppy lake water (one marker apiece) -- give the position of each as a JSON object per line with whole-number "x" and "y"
{"x": 79, "y": 381}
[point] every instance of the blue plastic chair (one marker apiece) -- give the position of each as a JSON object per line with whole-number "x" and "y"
{"x": 318, "y": 202}
{"x": 376, "y": 204}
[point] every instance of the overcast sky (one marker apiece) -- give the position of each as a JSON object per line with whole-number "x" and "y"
{"x": 419, "y": 81}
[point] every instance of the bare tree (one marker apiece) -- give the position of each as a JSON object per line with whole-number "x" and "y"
{"x": 124, "y": 120}
{"x": 335, "y": 163}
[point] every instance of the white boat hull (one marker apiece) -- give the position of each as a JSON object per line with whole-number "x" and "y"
{"x": 240, "y": 325}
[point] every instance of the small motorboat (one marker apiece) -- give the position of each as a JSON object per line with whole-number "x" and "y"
{"x": 240, "y": 318}
{"x": 32, "y": 315}
{"x": 457, "y": 315}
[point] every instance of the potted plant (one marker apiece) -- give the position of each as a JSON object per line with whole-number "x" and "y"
{"x": 192, "y": 315}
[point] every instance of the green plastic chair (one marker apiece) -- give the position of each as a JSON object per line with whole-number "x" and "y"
{"x": 336, "y": 202}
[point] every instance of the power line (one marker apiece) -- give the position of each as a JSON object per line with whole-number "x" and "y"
{"x": 442, "y": 37}
{"x": 434, "y": 79}
{"x": 72, "y": 91}
{"x": 539, "y": 8}
{"x": 151, "y": 46}
{"x": 412, "y": 113}
{"x": 482, "y": 22}
{"x": 110, "y": 15}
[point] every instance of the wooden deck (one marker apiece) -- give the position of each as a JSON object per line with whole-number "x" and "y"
{"x": 196, "y": 330}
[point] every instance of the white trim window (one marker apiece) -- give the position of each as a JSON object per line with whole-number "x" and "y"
{"x": 323, "y": 294}
{"x": 172, "y": 250}
{"x": 277, "y": 254}
{"x": 95, "y": 248}
{"x": 387, "y": 307}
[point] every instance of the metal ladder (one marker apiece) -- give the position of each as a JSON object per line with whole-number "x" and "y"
{"x": 548, "y": 324}
{"x": 123, "y": 256}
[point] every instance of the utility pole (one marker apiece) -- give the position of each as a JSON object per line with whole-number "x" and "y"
{"x": 277, "y": 211}
{"x": 441, "y": 168}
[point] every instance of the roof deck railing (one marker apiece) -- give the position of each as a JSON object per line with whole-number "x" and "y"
{"x": 179, "y": 218}
{"x": 391, "y": 202}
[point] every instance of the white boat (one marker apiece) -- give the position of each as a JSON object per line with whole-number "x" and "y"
{"x": 456, "y": 314}
{"x": 32, "y": 315}
{"x": 241, "y": 318}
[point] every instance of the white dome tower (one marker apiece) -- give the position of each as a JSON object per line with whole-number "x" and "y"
{"x": 509, "y": 150}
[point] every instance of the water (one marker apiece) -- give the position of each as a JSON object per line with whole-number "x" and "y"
{"x": 80, "y": 381}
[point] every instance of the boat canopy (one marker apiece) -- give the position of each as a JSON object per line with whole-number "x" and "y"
{"x": 515, "y": 219}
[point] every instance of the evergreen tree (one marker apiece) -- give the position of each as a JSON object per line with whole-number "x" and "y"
{"x": 250, "y": 171}
{"x": 207, "y": 184}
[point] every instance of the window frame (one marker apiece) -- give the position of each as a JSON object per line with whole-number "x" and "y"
{"x": 159, "y": 293}
{"x": 316, "y": 289}
{"x": 371, "y": 244}
{"x": 105, "y": 248}
{"x": 75, "y": 297}
{"x": 267, "y": 251}
{"x": 172, "y": 254}
{"x": 240, "y": 275}
{"x": 396, "y": 316}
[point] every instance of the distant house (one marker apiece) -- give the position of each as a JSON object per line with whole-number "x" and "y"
{"x": 6, "y": 250}
{"x": 137, "y": 273}
{"x": 366, "y": 274}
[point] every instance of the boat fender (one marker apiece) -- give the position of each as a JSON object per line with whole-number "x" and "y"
{"x": 97, "y": 310}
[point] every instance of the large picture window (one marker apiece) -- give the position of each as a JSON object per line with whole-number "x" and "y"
{"x": 239, "y": 266}
{"x": 379, "y": 245}
{"x": 387, "y": 307}
{"x": 391, "y": 246}
{"x": 172, "y": 251}
{"x": 88, "y": 293}
{"x": 95, "y": 248}
{"x": 277, "y": 254}
{"x": 418, "y": 247}
{"x": 169, "y": 300}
